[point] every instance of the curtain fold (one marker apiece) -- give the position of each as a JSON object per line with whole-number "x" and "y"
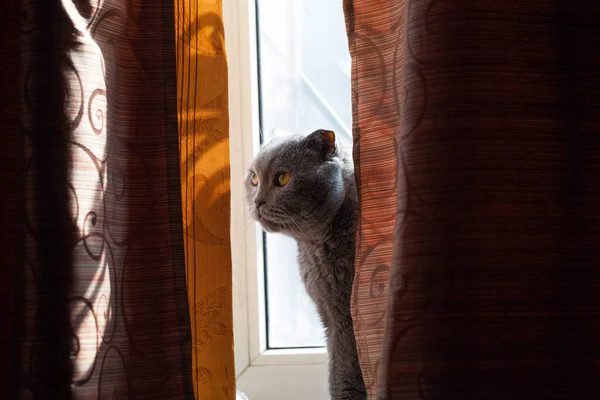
{"x": 477, "y": 152}
{"x": 374, "y": 35}
{"x": 11, "y": 200}
{"x": 205, "y": 169}
{"x": 94, "y": 275}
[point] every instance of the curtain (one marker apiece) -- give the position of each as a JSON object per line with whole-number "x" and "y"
{"x": 477, "y": 155}
{"x": 204, "y": 144}
{"x": 10, "y": 200}
{"x": 93, "y": 275}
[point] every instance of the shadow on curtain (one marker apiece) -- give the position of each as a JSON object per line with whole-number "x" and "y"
{"x": 477, "y": 150}
{"x": 11, "y": 154}
{"x": 205, "y": 169}
{"x": 93, "y": 278}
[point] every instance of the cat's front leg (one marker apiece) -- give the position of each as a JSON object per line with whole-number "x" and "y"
{"x": 345, "y": 377}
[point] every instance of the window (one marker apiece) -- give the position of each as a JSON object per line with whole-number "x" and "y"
{"x": 289, "y": 69}
{"x": 304, "y": 84}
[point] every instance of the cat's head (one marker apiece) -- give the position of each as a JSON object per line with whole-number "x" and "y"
{"x": 295, "y": 184}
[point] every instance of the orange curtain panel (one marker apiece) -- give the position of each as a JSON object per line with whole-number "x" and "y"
{"x": 204, "y": 147}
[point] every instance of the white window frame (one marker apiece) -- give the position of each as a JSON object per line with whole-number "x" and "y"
{"x": 262, "y": 374}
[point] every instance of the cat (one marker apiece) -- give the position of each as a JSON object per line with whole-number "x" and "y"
{"x": 303, "y": 186}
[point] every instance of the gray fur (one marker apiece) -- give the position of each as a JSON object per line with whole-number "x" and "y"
{"x": 318, "y": 208}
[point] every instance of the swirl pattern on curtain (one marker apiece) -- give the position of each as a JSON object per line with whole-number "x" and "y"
{"x": 477, "y": 151}
{"x": 101, "y": 306}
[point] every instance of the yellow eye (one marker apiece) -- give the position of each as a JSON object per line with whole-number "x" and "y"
{"x": 253, "y": 178}
{"x": 283, "y": 178}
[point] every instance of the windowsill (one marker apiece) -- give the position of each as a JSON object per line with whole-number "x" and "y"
{"x": 294, "y": 382}
{"x": 291, "y": 357}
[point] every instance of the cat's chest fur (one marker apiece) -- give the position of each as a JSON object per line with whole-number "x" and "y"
{"x": 327, "y": 269}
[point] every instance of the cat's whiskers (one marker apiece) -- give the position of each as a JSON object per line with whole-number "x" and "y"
{"x": 301, "y": 225}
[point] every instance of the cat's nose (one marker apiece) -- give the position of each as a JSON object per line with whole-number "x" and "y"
{"x": 259, "y": 202}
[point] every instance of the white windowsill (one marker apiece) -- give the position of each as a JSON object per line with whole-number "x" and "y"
{"x": 291, "y": 357}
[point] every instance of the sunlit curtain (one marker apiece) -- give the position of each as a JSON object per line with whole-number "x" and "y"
{"x": 204, "y": 145}
{"x": 93, "y": 283}
{"x": 477, "y": 150}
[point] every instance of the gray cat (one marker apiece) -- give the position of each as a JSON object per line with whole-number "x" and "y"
{"x": 303, "y": 186}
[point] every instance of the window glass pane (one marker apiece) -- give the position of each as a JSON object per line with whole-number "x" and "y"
{"x": 304, "y": 85}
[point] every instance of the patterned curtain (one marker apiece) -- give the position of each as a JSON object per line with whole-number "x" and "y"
{"x": 92, "y": 275}
{"x": 477, "y": 151}
{"x": 204, "y": 143}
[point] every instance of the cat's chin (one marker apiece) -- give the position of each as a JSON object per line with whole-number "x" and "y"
{"x": 266, "y": 225}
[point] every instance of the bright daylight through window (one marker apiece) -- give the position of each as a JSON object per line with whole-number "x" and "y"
{"x": 304, "y": 84}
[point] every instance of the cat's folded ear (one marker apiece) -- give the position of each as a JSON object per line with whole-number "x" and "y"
{"x": 323, "y": 141}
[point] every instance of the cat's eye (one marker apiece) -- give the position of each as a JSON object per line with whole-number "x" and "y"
{"x": 253, "y": 178}
{"x": 283, "y": 178}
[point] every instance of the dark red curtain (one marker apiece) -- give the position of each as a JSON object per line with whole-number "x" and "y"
{"x": 92, "y": 280}
{"x": 10, "y": 196}
{"x": 477, "y": 150}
